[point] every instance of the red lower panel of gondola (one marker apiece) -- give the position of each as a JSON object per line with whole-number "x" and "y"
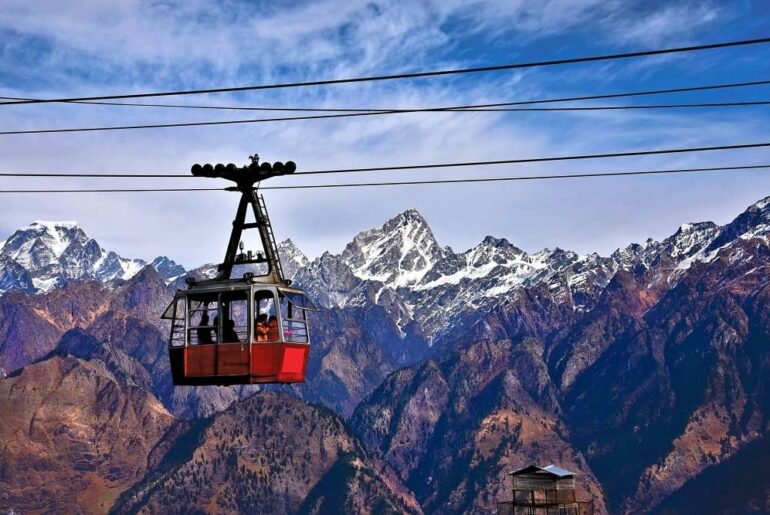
{"x": 235, "y": 363}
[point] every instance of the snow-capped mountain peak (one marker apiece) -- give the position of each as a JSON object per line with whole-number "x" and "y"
{"x": 167, "y": 268}
{"x": 690, "y": 239}
{"x": 46, "y": 254}
{"x": 401, "y": 264}
{"x": 754, "y": 222}
{"x": 399, "y": 253}
{"x": 292, "y": 258}
{"x": 42, "y": 241}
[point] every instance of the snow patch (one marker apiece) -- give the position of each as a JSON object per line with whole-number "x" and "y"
{"x": 49, "y": 224}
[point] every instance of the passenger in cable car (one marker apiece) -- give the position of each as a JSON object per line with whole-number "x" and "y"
{"x": 204, "y": 332}
{"x": 229, "y": 335}
{"x": 272, "y": 329}
{"x": 260, "y": 328}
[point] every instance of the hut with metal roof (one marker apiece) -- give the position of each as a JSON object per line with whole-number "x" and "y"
{"x": 544, "y": 491}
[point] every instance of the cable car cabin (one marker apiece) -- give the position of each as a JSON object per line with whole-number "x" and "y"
{"x": 238, "y": 333}
{"x": 247, "y": 330}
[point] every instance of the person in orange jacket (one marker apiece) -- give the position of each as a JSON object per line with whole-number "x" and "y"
{"x": 272, "y": 329}
{"x": 261, "y": 329}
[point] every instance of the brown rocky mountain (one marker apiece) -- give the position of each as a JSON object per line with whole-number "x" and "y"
{"x": 74, "y": 437}
{"x": 77, "y": 439}
{"x": 454, "y": 428}
{"x": 733, "y": 487}
{"x": 688, "y": 389}
{"x": 47, "y": 317}
{"x": 663, "y": 379}
{"x": 271, "y": 453}
{"x": 354, "y": 350}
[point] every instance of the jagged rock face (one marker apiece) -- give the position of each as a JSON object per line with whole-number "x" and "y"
{"x": 292, "y": 259}
{"x": 453, "y": 429}
{"x": 14, "y": 277}
{"x": 167, "y": 268}
{"x": 688, "y": 388}
{"x": 618, "y": 313}
{"x": 74, "y": 437}
{"x": 269, "y": 454}
{"x": 353, "y": 351}
{"x": 399, "y": 254}
{"x": 403, "y": 268}
{"x": 733, "y": 487}
{"x": 32, "y": 325}
{"x": 752, "y": 223}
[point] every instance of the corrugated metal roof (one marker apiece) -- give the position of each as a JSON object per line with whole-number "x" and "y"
{"x": 550, "y": 469}
{"x": 553, "y": 469}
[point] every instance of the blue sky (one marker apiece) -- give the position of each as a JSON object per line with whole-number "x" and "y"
{"x": 53, "y": 48}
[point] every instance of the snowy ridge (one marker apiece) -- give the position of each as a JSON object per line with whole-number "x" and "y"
{"x": 48, "y": 254}
{"x": 399, "y": 254}
{"x": 402, "y": 268}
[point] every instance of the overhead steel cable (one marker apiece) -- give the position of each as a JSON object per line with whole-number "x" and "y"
{"x": 686, "y": 89}
{"x": 113, "y": 190}
{"x": 618, "y": 108}
{"x": 448, "y": 109}
{"x": 524, "y": 178}
{"x": 195, "y": 106}
{"x": 538, "y": 159}
{"x": 575, "y": 157}
{"x": 189, "y": 124}
{"x": 414, "y": 183}
{"x": 412, "y": 75}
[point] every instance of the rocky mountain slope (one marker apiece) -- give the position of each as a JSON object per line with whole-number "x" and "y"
{"x": 453, "y": 429}
{"x": 266, "y": 455}
{"x": 74, "y": 437}
{"x": 686, "y": 387}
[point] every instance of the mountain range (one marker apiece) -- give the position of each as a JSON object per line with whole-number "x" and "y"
{"x": 46, "y": 255}
{"x": 432, "y": 374}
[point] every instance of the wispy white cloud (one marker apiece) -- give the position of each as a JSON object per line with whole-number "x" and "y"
{"x": 136, "y": 45}
{"x": 672, "y": 23}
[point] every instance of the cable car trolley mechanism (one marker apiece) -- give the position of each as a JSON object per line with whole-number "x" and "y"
{"x": 251, "y": 329}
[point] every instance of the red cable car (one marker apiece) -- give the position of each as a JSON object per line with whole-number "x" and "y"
{"x": 252, "y": 329}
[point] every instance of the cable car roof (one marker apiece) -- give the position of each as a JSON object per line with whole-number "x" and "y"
{"x": 297, "y": 297}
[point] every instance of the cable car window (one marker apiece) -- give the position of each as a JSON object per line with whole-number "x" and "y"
{"x": 175, "y": 313}
{"x": 171, "y": 310}
{"x": 289, "y": 311}
{"x": 293, "y": 317}
{"x": 295, "y": 331}
{"x": 234, "y": 310}
{"x": 299, "y": 300}
{"x": 202, "y": 321}
{"x": 266, "y": 320}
